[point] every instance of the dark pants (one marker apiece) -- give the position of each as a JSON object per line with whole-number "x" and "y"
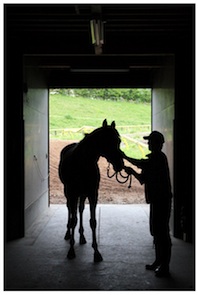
{"x": 159, "y": 228}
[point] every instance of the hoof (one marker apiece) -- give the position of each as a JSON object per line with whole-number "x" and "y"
{"x": 97, "y": 257}
{"x": 67, "y": 236}
{"x": 82, "y": 240}
{"x": 71, "y": 254}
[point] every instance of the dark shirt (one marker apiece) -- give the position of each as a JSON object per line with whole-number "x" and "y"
{"x": 156, "y": 177}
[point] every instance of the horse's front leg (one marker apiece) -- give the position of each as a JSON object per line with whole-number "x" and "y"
{"x": 93, "y": 224}
{"x": 81, "y": 229}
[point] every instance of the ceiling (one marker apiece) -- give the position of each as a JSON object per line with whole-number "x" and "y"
{"x": 138, "y": 38}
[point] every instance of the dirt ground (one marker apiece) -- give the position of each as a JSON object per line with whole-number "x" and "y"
{"x": 110, "y": 191}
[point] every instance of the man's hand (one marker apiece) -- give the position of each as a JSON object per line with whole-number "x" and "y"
{"x": 129, "y": 170}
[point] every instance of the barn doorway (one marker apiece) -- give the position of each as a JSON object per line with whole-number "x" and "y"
{"x": 74, "y": 112}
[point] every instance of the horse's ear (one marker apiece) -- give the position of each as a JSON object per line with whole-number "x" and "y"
{"x": 104, "y": 124}
{"x": 113, "y": 124}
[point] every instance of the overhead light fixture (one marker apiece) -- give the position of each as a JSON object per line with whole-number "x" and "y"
{"x": 99, "y": 70}
{"x": 97, "y": 34}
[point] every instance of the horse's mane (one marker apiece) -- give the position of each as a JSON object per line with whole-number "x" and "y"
{"x": 99, "y": 135}
{"x": 98, "y": 131}
{"x": 91, "y": 134}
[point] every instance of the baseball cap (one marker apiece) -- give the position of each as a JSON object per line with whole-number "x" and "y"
{"x": 156, "y": 136}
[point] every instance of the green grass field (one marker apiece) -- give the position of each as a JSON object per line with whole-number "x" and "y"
{"x": 132, "y": 119}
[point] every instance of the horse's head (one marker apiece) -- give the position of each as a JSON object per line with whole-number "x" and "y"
{"x": 110, "y": 145}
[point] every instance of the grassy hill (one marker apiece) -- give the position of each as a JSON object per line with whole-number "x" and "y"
{"x": 132, "y": 119}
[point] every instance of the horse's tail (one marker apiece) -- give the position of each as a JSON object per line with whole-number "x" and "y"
{"x": 65, "y": 161}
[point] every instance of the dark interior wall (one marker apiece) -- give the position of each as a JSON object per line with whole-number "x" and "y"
{"x": 184, "y": 147}
{"x": 14, "y": 143}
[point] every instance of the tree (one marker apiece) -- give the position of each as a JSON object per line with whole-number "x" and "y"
{"x": 129, "y": 94}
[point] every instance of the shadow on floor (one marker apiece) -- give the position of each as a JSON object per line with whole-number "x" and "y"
{"x": 39, "y": 262}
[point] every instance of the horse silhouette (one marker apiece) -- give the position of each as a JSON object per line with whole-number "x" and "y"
{"x": 80, "y": 175}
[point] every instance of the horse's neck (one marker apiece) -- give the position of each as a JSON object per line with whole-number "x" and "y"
{"x": 89, "y": 150}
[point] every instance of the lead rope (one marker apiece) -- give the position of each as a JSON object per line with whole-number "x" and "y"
{"x": 126, "y": 178}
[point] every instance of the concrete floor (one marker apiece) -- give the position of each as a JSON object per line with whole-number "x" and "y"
{"x": 39, "y": 262}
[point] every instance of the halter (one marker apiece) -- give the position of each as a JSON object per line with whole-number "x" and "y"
{"x": 118, "y": 180}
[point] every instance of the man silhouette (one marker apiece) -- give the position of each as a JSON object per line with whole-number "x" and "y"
{"x": 155, "y": 175}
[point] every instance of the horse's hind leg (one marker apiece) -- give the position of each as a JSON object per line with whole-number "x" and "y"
{"x": 93, "y": 223}
{"x": 73, "y": 221}
{"x": 81, "y": 229}
{"x": 68, "y": 233}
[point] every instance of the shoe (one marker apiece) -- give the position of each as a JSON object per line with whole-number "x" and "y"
{"x": 162, "y": 271}
{"x": 152, "y": 266}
